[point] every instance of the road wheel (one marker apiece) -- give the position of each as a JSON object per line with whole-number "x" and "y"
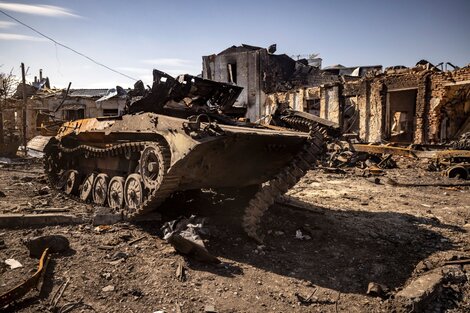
{"x": 72, "y": 183}
{"x": 152, "y": 166}
{"x": 116, "y": 192}
{"x": 87, "y": 186}
{"x": 100, "y": 189}
{"x": 133, "y": 192}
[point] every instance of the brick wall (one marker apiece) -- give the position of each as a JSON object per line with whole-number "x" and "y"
{"x": 440, "y": 96}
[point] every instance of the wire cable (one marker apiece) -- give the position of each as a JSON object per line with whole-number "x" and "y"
{"x": 67, "y": 47}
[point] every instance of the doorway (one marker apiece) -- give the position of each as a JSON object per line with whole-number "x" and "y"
{"x": 401, "y": 107}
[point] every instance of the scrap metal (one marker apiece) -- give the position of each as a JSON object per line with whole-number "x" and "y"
{"x": 33, "y": 282}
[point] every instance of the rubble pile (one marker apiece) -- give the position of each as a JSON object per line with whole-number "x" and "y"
{"x": 463, "y": 143}
{"x": 341, "y": 154}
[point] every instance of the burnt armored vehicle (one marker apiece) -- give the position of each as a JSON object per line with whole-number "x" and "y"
{"x": 178, "y": 136}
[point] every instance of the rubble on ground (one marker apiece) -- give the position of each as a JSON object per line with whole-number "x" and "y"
{"x": 334, "y": 241}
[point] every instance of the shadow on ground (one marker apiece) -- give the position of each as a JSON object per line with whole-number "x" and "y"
{"x": 347, "y": 250}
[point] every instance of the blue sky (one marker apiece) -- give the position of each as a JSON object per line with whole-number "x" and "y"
{"x": 136, "y": 36}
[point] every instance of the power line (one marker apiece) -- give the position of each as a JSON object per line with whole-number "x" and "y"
{"x": 67, "y": 47}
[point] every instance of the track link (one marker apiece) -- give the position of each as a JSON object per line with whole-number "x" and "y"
{"x": 287, "y": 177}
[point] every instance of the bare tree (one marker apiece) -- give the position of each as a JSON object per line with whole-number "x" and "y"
{"x": 8, "y": 85}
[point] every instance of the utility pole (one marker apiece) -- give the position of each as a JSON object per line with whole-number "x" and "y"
{"x": 1, "y": 112}
{"x": 23, "y": 76}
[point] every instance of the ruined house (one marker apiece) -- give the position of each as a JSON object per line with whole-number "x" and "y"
{"x": 406, "y": 105}
{"x": 48, "y": 107}
{"x": 261, "y": 72}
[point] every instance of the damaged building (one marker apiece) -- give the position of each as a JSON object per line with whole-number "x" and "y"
{"x": 262, "y": 72}
{"x": 47, "y": 108}
{"x": 422, "y": 104}
{"x": 416, "y": 105}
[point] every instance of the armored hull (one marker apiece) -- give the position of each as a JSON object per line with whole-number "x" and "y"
{"x": 132, "y": 163}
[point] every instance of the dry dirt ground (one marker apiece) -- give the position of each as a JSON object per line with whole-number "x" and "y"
{"x": 360, "y": 232}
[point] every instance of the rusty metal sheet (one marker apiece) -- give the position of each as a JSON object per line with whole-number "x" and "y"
{"x": 83, "y": 125}
{"x": 22, "y": 289}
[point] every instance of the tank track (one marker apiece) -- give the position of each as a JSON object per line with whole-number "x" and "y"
{"x": 287, "y": 177}
{"x": 153, "y": 197}
{"x": 305, "y": 125}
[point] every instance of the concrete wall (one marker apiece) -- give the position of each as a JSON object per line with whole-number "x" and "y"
{"x": 330, "y": 106}
{"x": 448, "y": 98}
{"x": 249, "y": 77}
{"x": 295, "y": 99}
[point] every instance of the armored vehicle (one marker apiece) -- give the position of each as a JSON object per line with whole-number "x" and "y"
{"x": 176, "y": 136}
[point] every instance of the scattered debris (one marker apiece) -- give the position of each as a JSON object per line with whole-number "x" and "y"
{"x": 462, "y": 261}
{"x": 209, "y": 308}
{"x": 184, "y": 235}
{"x": 180, "y": 272}
{"x": 58, "y": 294}
{"x": 55, "y": 243}
{"x": 104, "y": 216}
{"x": 28, "y": 220}
{"x": 12, "y": 263}
{"x": 299, "y": 235}
{"x": 377, "y": 290}
{"x": 119, "y": 255}
{"x": 419, "y": 293}
{"x": 103, "y": 228}
{"x": 137, "y": 240}
{"x": 319, "y": 206}
{"x": 108, "y": 288}
{"x": 44, "y": 190}
{"x": 309, "y": 300}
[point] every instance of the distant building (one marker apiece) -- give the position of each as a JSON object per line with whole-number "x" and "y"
{"x": 48, "y": 108}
